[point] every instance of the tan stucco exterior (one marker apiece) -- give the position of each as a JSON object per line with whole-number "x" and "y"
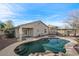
{"x": 52, "y": 30}
{"x": 70, "y": 32}
{"x": 1, "y": 32}
{"x": 37, "y": 28}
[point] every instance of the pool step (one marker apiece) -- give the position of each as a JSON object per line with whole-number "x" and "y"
{"x": 23, "y": 52}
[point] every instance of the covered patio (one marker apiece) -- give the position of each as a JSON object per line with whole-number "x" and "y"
{"x": 22, "y": 33}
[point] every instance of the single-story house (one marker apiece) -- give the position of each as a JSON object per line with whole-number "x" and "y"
{"x": 52, "y": 30}
{"x": 32, "y": 29}
{"x": 68, "y": 32}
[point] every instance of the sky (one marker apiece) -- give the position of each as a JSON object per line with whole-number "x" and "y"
{"x": 49, "y": 13}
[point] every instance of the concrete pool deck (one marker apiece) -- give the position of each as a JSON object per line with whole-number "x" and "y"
{"x": 9, "y": 51}
{"x": 70, "y": 51}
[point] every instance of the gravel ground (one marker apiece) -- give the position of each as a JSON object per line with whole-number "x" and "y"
{"x": 6, "y": 42}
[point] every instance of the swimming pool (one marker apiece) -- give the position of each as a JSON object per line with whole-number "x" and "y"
{"x": 54, "y": 45}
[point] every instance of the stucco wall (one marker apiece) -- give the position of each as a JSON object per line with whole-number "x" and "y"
{"x": 1, "y": 32}
{"x": 17, "y": 32}
{"x": 38, "y": 29}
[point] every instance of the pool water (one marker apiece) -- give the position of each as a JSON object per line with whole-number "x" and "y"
{"x": 54, "y": 45}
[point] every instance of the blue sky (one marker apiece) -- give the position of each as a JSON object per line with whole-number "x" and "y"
{"x": 49, "y": 13}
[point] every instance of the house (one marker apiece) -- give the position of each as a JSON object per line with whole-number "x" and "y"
{"x": 68, "y": 32}
{"x": 33, "y": 29}
{"x": 63, "y": 32}
{"x": 52, "y": 30}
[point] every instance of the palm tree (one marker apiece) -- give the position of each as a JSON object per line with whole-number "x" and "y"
{"x": 2, "y": 25}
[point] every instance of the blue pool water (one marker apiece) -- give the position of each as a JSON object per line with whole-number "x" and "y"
{"x": 52, "y": 44}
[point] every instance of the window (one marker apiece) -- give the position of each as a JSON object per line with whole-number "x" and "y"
{"x": 45, "y": 31}
{"x": 25, "y": 31}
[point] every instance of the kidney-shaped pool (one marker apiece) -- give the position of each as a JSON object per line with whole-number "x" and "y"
{"x": 54, "y": 45}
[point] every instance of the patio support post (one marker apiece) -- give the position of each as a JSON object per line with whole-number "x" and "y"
{"x": 20, "y": 34}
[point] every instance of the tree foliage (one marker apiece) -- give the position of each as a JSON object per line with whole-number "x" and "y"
{"x": 7, "y": 27}
{"x": 8, "y": 24}
{"x": 2, "y": 25}
{"x": 73, "y": 20}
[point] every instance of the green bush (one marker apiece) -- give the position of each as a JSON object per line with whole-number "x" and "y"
{"x": 10, "y": 33}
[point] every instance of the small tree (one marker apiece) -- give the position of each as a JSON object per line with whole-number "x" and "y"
{"x": 9, "y": 29}
{"x": 9, "y": 24}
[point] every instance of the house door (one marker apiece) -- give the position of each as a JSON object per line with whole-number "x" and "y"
{"x": 28, "y": 32}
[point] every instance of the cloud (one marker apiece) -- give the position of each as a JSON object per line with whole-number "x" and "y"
{"x": 23, "y": 13}
{"x": 56, "y": 19}
{"x": 12, "y": 12}
{"x": 24, "y": 21}
{"x": 5, "y": 12}
{"x": 8, "y": 11}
